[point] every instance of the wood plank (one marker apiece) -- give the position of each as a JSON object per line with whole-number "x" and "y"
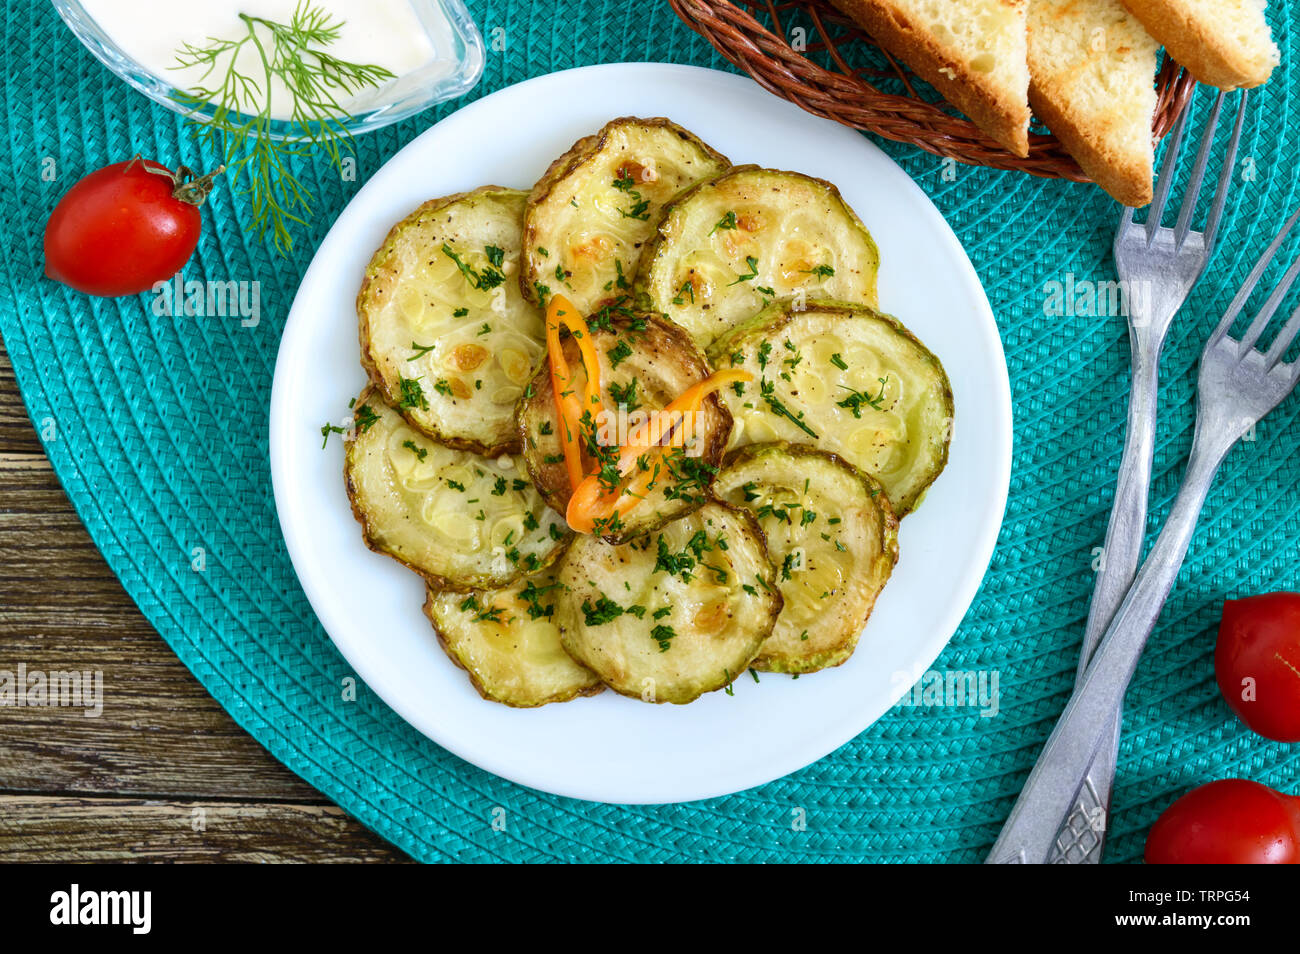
{"x": 159, "y": 734}
{"x": 16, "y": 433}
{"x": 42, "y": 828}
{"x": 61, "y": 608}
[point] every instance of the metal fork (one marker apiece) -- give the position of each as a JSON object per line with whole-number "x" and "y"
{"x": 1238, "y": 385}
{"x": 1168, "y": 262}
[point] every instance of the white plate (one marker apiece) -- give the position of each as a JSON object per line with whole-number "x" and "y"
{"x": 609, "y": 748}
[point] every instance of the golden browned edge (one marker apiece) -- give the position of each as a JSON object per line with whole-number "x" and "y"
{"x": 777, "y": 603}
{"x": 654, "y": 245}
{"x": 1124, "y": 181}
{"x": 1189, "y": 41}
{"x": 912, "y": 44}
{"x": 433, "y": 580}
{"x": 378, "y": 261}
{"x": 479, "y": 686}
{"x": 888, "y": 547}
{"x": 779, "y": 314}
{"x": 548, "y": 484}
{"x": 552, "y": 480}
{"x": 561, "y": 168}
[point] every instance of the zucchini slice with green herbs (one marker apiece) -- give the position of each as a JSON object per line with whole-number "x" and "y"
{"x": 848, "y": 379}
{"x": 445, "y": 333}
{"x": 591, "y": 213}
{"x": 673, "y": 614}
{"x": 833, "y": 538}
{"x": 644, "y": 364}
{"x": 456, "y": 518}
{"x": 508, "y": 643}
{"x": 728, "y": 247}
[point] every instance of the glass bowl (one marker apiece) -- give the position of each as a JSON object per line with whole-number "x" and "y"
{"x": 455, "y": 68}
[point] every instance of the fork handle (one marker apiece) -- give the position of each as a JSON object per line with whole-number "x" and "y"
{"x": 1120, "y": 555}
{"x": 1059, "y": 774}
{"x": 1126, "y": 530}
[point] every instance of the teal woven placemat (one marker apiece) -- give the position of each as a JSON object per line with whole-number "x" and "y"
{"x": 157, "y": 428}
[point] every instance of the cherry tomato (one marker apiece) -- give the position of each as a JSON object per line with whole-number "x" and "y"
{"x": 1257, "y": 663}
{"x": 1229, "y": 822}
{"x": 124, "y": 227}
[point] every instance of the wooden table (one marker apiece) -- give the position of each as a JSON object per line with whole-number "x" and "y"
{"x": 163, "y": 774}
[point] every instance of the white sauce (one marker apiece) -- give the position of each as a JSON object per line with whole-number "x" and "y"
{"x": 387, "y": 33}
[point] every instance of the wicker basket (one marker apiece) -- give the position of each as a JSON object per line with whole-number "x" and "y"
{"x": 814, "y": 56}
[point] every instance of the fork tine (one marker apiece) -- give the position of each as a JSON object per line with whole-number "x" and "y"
{"x": 1193, "y": 190}
{"x": 1225, "y": 176}
{"x": 1270, "y": 306}
{"x": 1256, "y": 273}
{"x": 1125, "y": 223}
{"x": 1166, "y": 180}
{"x": 1283, "y": 341}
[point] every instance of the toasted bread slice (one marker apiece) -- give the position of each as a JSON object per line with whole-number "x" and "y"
{"x": 971, "y": 51}
{"x": 1092, "y": 81}
{"x": 1224, "y": 43}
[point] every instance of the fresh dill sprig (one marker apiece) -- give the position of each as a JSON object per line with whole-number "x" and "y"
{"x": 235, "y": 107}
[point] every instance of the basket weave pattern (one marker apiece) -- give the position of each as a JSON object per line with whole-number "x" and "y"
{"x": 808, "y": 52}
{"x": 156, "y": 428}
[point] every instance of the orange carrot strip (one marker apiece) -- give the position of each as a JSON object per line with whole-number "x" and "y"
{"x": 593, "y": 502}
{"x": 561, "y": 313}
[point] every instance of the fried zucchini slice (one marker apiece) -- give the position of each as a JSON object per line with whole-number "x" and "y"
{"x": 852, "y": 381}
{"x": 508, "y": 643}
{"x": 674, "y": 614}
{"x": 728, "y": 247}
{"x": 591, "y": 213}
{"x": 454, "y": 517}
{"x": 833, "y": 538}
{"x": 445, "y": 334}
{"x": 644, "y": 364}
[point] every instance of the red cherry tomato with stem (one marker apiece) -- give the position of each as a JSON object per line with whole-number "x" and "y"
{"x": 1257, "y": 663}
{"x": 1228, "y": 822}
{"x": 125, "y": 227}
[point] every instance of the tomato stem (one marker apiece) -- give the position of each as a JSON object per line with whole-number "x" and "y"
{"x": 194, "y": 189}
{"x": 186, "y": 186}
